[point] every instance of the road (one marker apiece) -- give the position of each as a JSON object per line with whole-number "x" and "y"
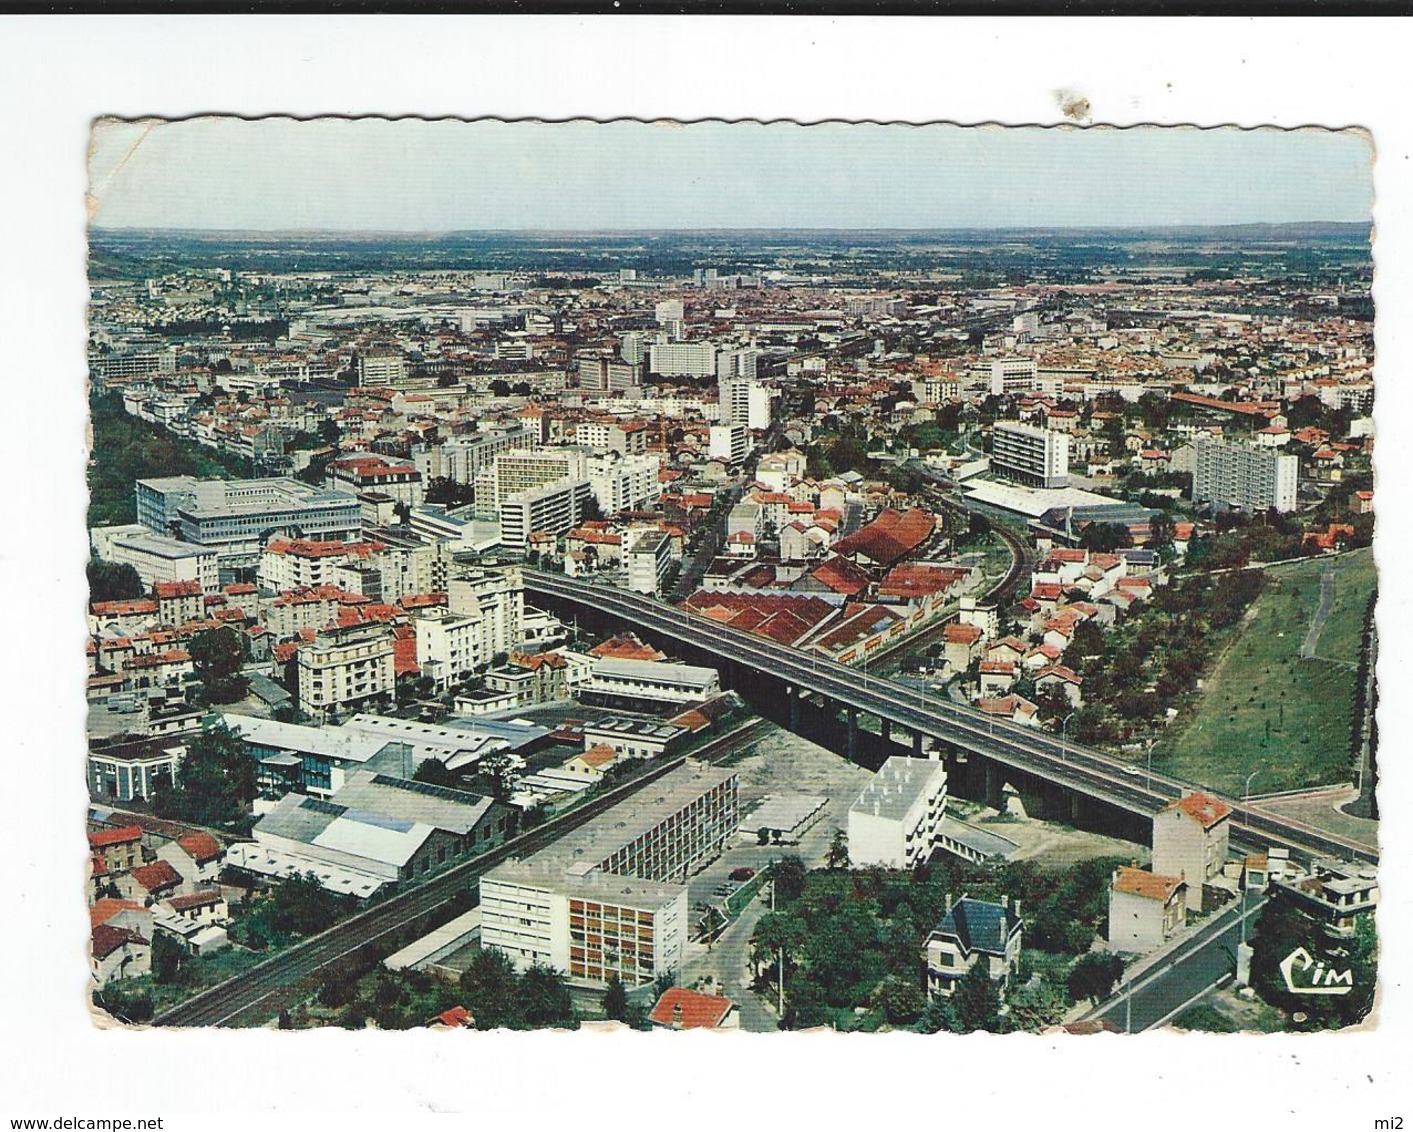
{"x": 255, "y": 996}
{"x": 728, "y": 964}
{"x": 1008, "y": 744}
{"x": 1180, "y": 979}
{"x": 1322, "y": 613}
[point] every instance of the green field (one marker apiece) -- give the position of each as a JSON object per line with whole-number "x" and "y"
{"x": 1263, "y": 706}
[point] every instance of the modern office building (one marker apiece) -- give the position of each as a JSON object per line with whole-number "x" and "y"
{"x": 610, "y": 898}
{"x": 157, "y": 558}
{"x": 1030, "y": 454}
{"x": 1229, "y": 476}
{"x": 236, "y": 518}
{"x": 895, "y": 821}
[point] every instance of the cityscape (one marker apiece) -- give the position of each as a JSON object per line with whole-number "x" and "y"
{"x": 640, "y": 624}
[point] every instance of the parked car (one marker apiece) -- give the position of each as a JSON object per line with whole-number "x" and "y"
{"x": 743, "y": 873}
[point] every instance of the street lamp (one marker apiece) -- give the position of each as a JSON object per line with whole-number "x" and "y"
{"x": 1064, "y": 723}
{"x": 1246, "y": 790}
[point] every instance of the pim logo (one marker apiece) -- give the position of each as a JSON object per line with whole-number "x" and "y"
{"x": 1296, "y": 971}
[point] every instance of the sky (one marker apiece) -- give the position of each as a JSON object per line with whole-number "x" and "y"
{"x": 411, "y": 175}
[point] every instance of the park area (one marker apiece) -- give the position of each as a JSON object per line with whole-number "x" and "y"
{"x": 1280, "y": 700}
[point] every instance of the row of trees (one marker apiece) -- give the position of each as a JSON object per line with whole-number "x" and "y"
{"x": 126, "y": 448}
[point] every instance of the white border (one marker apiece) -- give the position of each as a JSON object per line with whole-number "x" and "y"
{"x": 56, "y": 73}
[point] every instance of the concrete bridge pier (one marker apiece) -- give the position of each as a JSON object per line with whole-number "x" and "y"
{"x": 853, "y": 733}
{"x": 886, "y": 728}
{"x": 793, "y": 695}
{"x": 992, "y": 784}
{"x": 917, "y": 744}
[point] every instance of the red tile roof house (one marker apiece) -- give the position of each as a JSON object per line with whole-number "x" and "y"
{"x": 119, "y": 953}
{"x": 152, "y": 882}
{"x": 1066, "y": 680}
{"x": 121, "y": 848}
{"x": 196, "y": 856}
{"x": 961, "y": 645}
{"x": 683, "y": 1009}
{"x": 1190, "y": 839}
{"x": 1145, "y": 910}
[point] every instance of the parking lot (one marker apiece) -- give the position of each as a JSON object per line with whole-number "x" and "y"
{"x": 782, "y": 763}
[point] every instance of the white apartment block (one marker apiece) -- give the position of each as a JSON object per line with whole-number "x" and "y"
{"x": 744, "y": 401}
{"x": 648, "y": 560}
{"x": 463, "y": 458}
{"x": 497, "y": 597}
{"x": 653, "y": 680}
{"x": 895, "y": 822}
{"x": 1012, "y": 375}
{"x": 682, "y": 359}
{"x": 625, "y": 484}
{"x": 522, "y": 470}
{"x": 554, "y": 508}
{"x": 345, "y": 667}
{"x": 381, "y": 367}
{"x": 729, "y": 442}
{"x": 1229, "y": 475}
{"x": 1033, "y": 455}
{"x": 451, "y": 646}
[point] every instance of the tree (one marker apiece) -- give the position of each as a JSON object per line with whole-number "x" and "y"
{"x": 218, "y": 655}
{"x": 546, "y": 998}
{"x": 112, "y": 581}
{"x": 434, "y": 772}
{"x": 789, "y": 875}
{"x": 901, "y": 1001}
{"x": 303, "y": 906}
{"x": 1094, "y": 975}
{"x": 1105, "y": 537}
{"x": 838, "y": 855}
{"x": 127, "y": 1004}
{"x": 167, "y": 957}
{"x": 495, "y": 774}
{"x": 1281, "y": 929}
{"x": 615, "y": 1000}
{"x": 215, "y": 781}
{"x": 492, "y": 991}
{"x": 976, "y": 1003}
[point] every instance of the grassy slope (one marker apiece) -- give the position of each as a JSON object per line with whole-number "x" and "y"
{"x": 1262, "y": 678}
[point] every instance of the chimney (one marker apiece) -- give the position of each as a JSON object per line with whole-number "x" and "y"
{"x": 949, "y": 902}
{"x": 1018, "y": 915}
{"x": 1005, "y": 901}
{"x": 676, "y": 1015}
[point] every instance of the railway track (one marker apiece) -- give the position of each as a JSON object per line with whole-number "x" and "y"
{"x": 255, "y": 996}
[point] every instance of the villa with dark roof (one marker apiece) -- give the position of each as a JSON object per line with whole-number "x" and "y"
{"x": 971, "y": 932}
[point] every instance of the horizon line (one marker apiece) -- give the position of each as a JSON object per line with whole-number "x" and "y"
{"x": 1019, "y": 227}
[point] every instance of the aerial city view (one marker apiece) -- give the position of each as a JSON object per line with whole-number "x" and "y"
{"x": 527, "y": 595}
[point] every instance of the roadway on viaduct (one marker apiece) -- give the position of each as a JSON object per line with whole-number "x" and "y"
{"x": 1038, "y": 753}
